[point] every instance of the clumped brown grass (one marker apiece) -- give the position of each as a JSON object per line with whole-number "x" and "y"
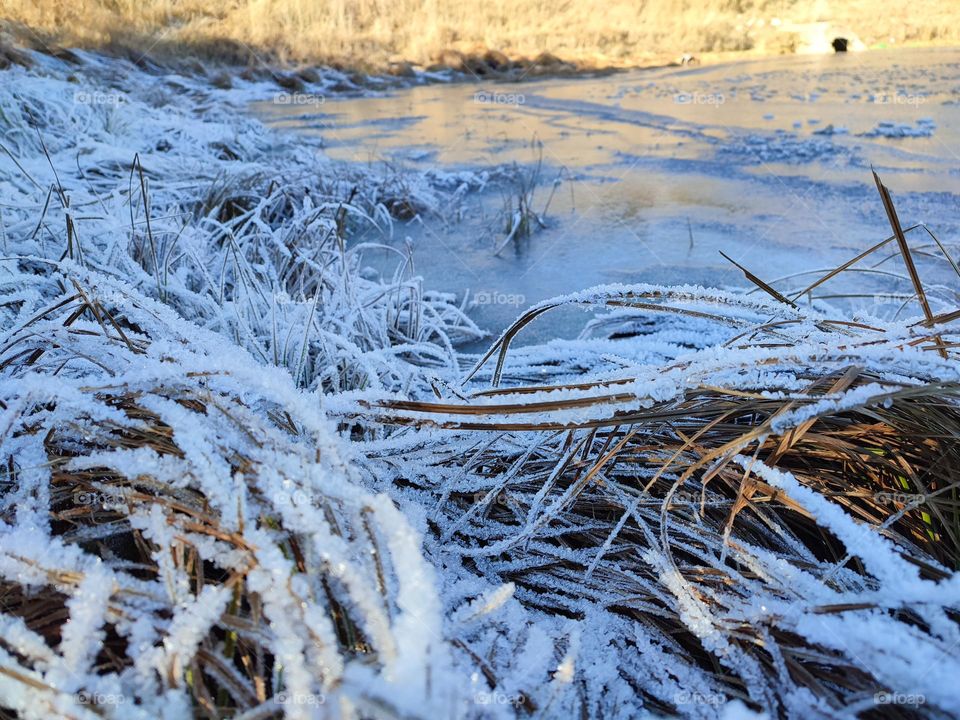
{"x": 205, "y": 523}
{"x": 371, "y": 33}
{"x": 158, "y": 522}
{"x": 571, "y": 515}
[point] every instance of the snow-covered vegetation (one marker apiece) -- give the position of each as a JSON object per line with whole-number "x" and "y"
{"x": 242, "y": 477}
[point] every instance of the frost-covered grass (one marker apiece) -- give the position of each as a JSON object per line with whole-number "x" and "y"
{"x": 177, "y": 297}
{"x": 244, "y": 478}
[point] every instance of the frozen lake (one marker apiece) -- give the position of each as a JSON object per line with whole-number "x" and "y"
{"x": 768, "y": 161}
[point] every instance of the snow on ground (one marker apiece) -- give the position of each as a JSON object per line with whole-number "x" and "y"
{"x": 174, "y": 271}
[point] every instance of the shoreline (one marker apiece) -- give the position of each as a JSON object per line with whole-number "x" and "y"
{"x": 449, "y": 66}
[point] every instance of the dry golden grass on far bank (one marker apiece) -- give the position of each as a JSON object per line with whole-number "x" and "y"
{"x": 366, "y": 34}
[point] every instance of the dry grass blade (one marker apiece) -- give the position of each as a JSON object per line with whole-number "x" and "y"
{"x": 942, "y": 319}
{"x": 759, "y": 283}
{"x": 905, "y": 252}
{"x": 942, "y": 249}
{"x": 846, "y": 266}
